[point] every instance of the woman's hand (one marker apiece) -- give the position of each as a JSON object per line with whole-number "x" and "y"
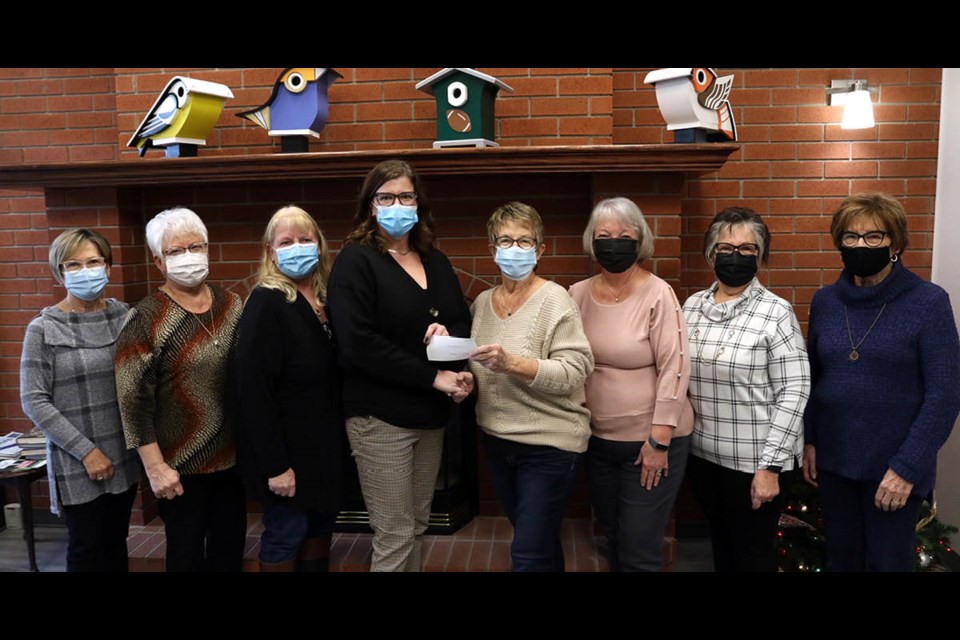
{"x": 654, "y": 467}
{"x": 447, "y": 382}
{"x": 893, "y": 492}
{"x": 810, "y": 464}
{"x": 435, "y": 329}
{"x": 764, "y": 488}
{"x": 164, "y": 481}
{"x": 492, "y": 357}
{"x": 98, "y": 465}
{"x": 465, "y": 383}
{"x": 284, "y": 485}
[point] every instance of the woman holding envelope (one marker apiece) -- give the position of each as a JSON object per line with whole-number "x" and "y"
{"x": 530, "y": 369}
{"x": 390, "y": 291}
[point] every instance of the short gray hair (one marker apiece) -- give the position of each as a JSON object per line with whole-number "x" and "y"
{"x": 735, "y": 217}
{"x": 172, "y": 221}
{"x": 68, "y": 243}
{"x": 628, "y": 214}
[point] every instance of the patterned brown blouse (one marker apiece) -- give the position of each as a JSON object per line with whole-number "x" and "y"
{"x": 172, "y": 368}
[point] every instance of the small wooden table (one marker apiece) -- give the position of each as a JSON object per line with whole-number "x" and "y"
{"x": 23, "y": 480}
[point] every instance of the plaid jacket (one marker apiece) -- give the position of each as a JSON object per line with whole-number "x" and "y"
{"x": 750, "y": 379}
{"x": 67, "y": 389}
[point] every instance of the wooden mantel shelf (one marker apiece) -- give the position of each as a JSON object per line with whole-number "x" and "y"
{"x": 675, "y": 158}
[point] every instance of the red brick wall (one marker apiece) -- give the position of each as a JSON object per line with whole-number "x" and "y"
{"x": 795, "y": 166}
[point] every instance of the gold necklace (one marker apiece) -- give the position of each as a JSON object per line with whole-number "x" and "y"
{"x": 616, "y": 296}
{"x": 216, "y": 340}
{"x": 400, "y": 253}
{"x": 854, "y": 356}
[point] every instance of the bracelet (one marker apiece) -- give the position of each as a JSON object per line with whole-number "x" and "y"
{"x": 656, "y": 445}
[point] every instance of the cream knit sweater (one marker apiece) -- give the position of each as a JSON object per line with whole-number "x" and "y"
{"x": 549, "y": 410}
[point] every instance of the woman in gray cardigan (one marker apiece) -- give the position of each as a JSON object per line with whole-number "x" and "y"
{"x": 67, "y": 389}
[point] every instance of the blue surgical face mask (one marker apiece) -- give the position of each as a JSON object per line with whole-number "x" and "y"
{"x": 516, "y": 263}
{"x": 298, "y": 260}
{"x": 86, "y": 284}
{"x": 397, "y": 220}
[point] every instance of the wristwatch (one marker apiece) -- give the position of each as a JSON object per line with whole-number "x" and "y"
{"x": 773, "y": 468}
{"x": 656, "y": 445}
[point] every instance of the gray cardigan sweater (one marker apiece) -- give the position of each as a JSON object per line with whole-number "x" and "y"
{"x": 67, "y": 389}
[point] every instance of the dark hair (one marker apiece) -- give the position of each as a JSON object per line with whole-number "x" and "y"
{"x": 367, "y": 231}
{"x": 733, "y": 216}
{"x": 882, "y": 208}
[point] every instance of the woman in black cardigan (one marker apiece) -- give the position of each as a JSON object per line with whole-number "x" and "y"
{"x": 289, "y": 396}
{"x": 390, "y": 291}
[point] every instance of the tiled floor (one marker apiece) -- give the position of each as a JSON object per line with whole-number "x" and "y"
{"x": 483, "y": 545}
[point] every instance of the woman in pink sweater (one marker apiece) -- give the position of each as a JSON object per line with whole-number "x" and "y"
{"x": 637, "y": 394}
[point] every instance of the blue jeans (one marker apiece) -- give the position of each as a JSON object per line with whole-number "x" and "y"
{"x": 286, "y": 526}
{"x": 533, "y": 484}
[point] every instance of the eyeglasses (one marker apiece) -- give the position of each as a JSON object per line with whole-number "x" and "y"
{"x": 385, "y": 199}
{"x": 871, "y": 238}
{"x": 73, "y": 266}
{"x": 505, "y": 242}
{"x": 745, "y": 249}
{"x": 196, "y": 247}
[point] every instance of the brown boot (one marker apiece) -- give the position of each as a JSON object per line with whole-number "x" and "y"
{"x": 287, "y": 566}
{"x": 315, "y": 555}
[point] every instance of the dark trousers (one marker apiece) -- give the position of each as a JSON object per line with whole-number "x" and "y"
{"x": 633, "y": 518}
{"x": 744, "y": 539}
{"x": 206, "y": 527}
{"x": 533, "y": 484}
{"x": 286, "y": 526}
{"x": 858, "y": 535}
{"x": 98, "y": 532}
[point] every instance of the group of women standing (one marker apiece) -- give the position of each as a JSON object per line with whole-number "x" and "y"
{"x": 211, "y": 391}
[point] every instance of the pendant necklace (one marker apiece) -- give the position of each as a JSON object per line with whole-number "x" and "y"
{"x": 216, "y": 340}
{"x": 616, "y": 294}
{"x": 854, "y": 355}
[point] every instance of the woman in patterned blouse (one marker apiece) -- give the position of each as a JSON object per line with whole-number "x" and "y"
{"x": 172, "y": 362}
{"x": 749, "y": 383}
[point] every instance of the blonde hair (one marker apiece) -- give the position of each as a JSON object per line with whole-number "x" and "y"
{"x": 68, "y": 243}
{"x": 270, "y": 277}
{"x": 518, "y": 213}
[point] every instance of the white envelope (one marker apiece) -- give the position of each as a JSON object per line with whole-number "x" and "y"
{"x": 446, "y": 348}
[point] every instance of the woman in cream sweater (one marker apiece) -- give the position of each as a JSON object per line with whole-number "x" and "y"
{"x": 530, "y": 370}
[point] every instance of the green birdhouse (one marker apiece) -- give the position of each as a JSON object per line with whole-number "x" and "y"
{"x": 465, "y": 106}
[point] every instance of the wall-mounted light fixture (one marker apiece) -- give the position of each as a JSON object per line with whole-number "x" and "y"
{"x": 854, "y": 97}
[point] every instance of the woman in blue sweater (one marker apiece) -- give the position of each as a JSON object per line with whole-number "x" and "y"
{"x": 885, "y": 361}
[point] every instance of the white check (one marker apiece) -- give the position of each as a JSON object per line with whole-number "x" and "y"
{"x": 446, "y": 348}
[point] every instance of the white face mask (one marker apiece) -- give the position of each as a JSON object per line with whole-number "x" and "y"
{"x": 189, "y": 269}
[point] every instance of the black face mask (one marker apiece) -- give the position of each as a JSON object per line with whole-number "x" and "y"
{"x": 615, "y": 254}
{"x": 733, "y": 269}
{"x": 865, "y": 261}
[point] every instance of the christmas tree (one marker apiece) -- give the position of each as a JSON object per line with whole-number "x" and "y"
{"x": 801, "y": 542}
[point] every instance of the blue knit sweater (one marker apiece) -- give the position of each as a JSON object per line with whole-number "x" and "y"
{"x": 895, "y": 406}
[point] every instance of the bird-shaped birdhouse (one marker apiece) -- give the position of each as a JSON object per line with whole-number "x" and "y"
{"x": 297, "y": 108}
{"x": 182, "y": 117}
{"x": 465, "y": 106}
{"x": 695, "y": 103}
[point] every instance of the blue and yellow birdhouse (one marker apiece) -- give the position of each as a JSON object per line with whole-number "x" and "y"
{"x": 465, "y": 106}
{"x": 182, "y": 117}
{"x": 297, "y": 108}
{"x": 695, "y": 102}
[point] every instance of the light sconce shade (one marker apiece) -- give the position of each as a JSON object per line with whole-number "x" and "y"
{"x": 854, "y": 96}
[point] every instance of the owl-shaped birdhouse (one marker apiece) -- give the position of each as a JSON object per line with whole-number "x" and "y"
{"x": 465, "y": 106}
{"x": 695, "y": 103}
{"x": 297, "y": 108}
{"x": 182, "y": 117}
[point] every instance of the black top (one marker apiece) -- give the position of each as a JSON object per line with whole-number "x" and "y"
{"x": 288, "y": 385}
{"x": 380, "y": 315}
